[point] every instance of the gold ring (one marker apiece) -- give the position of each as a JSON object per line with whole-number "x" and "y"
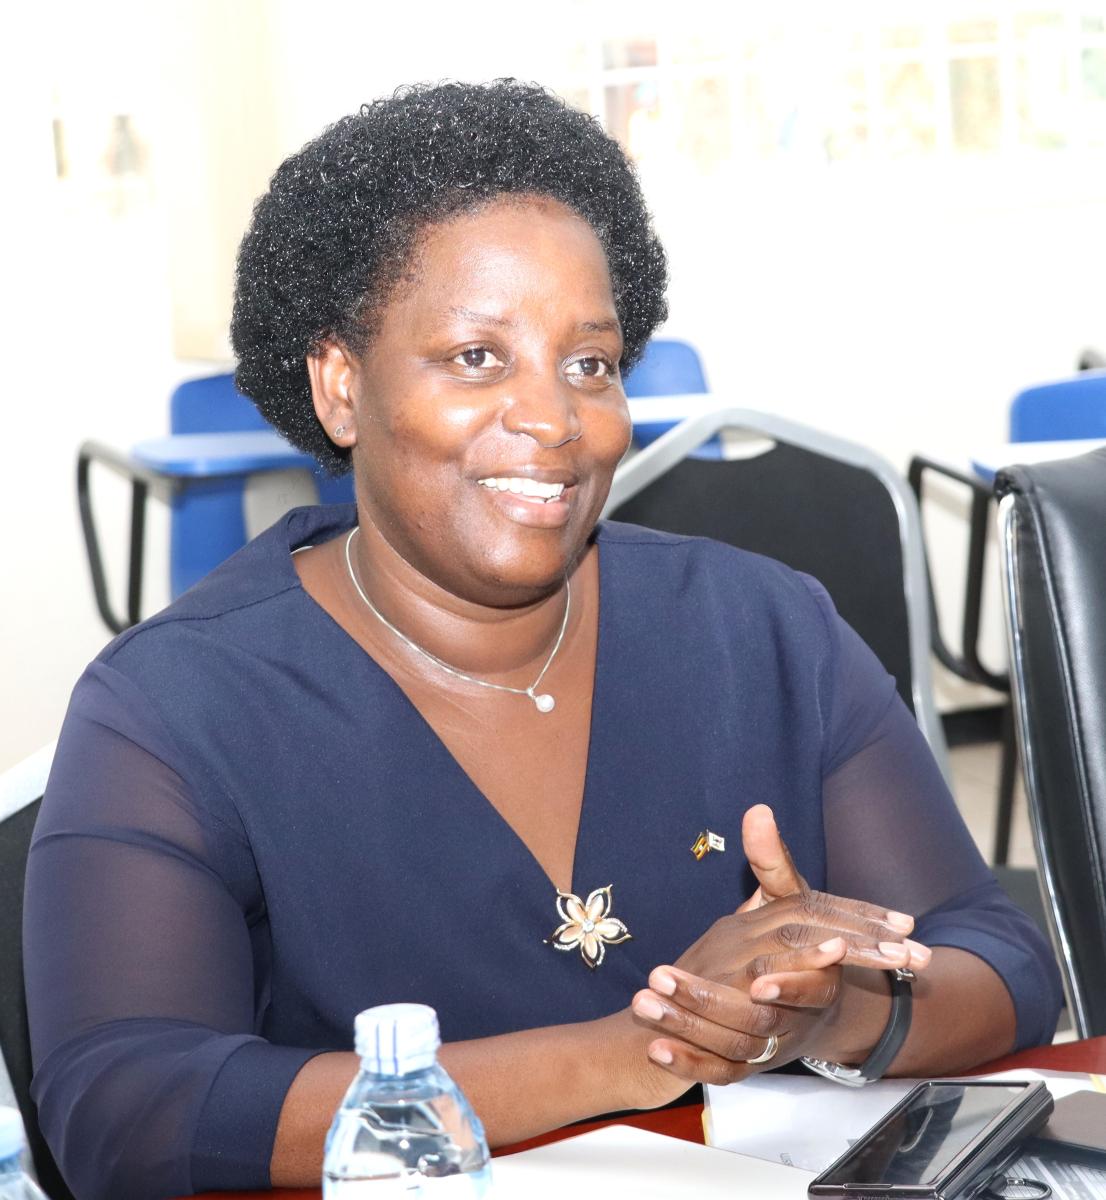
{"x": 769, "y": 1051}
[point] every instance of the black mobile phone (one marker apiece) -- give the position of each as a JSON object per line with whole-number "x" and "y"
{"x": 942, "y": 1141}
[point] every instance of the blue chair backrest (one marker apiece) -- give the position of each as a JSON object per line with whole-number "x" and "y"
{"x": 667, "y": 368}
{"x": 207, "y": 522}
{"x": 212, "y": 405}
{"x": 1069, "y": 408}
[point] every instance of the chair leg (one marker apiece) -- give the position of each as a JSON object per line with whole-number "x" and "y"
{"x": 1007, "y": 777}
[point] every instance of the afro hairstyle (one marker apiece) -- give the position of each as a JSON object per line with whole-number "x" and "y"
{"x": 340, "y": 223}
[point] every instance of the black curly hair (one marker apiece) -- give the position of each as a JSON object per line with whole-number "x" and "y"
{"x": 340, "y": 222}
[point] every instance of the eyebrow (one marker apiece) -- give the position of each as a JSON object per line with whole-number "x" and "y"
{"x": 481, "y": 318}
{"x": 609, "y": 325}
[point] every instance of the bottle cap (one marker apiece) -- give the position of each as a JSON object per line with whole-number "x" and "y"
{"x": 393, "y": 1039}
{"x": 11, "y": 1132}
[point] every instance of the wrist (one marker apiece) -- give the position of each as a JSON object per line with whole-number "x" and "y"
{"x": 858, "y": 1020}
{"x": 880, "y": 1058}
{"x": 634, "y": 1081}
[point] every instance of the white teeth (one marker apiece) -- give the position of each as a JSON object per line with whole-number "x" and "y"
{"x": 523, "y": 487}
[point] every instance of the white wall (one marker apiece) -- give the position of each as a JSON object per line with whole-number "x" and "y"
{"x": 899, "y": 309}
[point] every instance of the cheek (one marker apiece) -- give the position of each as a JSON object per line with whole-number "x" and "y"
{"x": 421, "y": 443}
{"x": 609, "y": 433}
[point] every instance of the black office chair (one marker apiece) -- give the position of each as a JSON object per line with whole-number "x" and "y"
{"x": 965, "y": 662}
{"x": 822, "y": 505}
{"x": 1052, "y": 520}
{"x": 21, "y": 791}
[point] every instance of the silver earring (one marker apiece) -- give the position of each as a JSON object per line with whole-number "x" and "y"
{"x": 339, "y": 431}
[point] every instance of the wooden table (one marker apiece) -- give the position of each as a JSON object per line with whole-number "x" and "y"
{"x": 687, "y": 1123}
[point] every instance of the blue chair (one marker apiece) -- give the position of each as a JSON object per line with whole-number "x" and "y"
{"x": 219, "y": 443}
{"x": 667, "y": 368}
{"x": 208, "y": 522}
{"x": 1060, "y": 411}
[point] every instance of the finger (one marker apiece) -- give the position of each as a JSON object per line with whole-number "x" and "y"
{"x": 700, "y": 1066}
{"x": 873, "y": 919}
{"x": 768, "y": 856}
{"x": 782, "y": 979}
{"x": 828, "y": 953}
{"x": 831, "y": 912}
{"x": 687, "y": 1000}
{"x": 857, "y": 951}
{"x": 883, "y": 956}
{"x": 867, "y": 944}
{"x": 735, "y": 1040}
{"x": 806, "y": 980}
{"x": 799, "y": 989}
{"x": 920, "y": 956}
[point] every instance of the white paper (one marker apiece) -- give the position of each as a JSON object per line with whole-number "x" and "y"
{"x": 621, "y": 1162}
{"x": 801, "y": 1121}
{"x": 806, "y": 1121}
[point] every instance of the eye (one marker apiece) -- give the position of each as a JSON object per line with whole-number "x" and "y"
{"x": 477, "y": 358}
{"x": 589, "y": 367}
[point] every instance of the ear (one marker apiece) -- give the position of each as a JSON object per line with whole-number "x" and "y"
{"x": 332, "y": 371}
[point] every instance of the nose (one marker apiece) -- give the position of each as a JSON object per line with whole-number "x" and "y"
{"x": 545, "y": 410}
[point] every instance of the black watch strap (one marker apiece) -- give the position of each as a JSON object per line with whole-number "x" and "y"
{"x": 890, "y": 1043}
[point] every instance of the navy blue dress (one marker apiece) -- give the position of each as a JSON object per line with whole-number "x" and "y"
{"x": 250, "y": 834}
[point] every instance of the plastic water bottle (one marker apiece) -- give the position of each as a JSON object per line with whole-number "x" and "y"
{"x": 404, "y": 1129}
{"x": 14, "y": 1183}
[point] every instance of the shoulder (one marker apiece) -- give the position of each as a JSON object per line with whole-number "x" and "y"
{"x": 245, "y": 600}
{"x": 701, "y": 567}
{"x": 194, "y": 685}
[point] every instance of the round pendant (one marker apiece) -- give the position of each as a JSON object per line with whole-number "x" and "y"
{"x": 544, "y": 703}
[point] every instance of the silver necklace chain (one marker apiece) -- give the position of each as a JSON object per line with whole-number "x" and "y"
{"x": 543, "y": 701}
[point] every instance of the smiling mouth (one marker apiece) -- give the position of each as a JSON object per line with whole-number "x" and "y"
{"x": 529, "y": 489}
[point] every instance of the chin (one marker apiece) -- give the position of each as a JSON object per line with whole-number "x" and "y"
{"x": 520, "y": 577}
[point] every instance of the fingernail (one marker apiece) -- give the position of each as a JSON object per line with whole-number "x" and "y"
{"x": 901, "y": 921}
{"x": 920, "y": 953}
{"x": 647, "y": 1007}
{"x": 768, "y": 992}
{"x": 661, "y": 981}
{"x": 660, "y": 1054}
{"x": 831, "y": 947}
{"x": 895, "y": 950}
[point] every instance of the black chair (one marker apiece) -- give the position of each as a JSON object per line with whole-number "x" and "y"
{"x": 21, "y": 791}
{"x": 966, "y": 663}
{"x": 822, "y": 505}
{"x": 1052, "y": 520}
{"x": 1073, "y": 407}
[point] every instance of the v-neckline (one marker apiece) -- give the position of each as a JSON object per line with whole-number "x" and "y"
{"x": 411, "y": 712}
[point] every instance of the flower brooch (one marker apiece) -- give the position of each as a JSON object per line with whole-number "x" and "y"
{"x": 587, "y": 925}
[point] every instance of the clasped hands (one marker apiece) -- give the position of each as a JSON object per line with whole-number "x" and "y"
{"x": 773, "y": 968}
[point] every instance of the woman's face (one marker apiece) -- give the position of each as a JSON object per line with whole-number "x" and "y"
{"x": 489, "y": 412}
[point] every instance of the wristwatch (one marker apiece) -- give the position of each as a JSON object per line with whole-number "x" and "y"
{"x": 884, "y": 1051}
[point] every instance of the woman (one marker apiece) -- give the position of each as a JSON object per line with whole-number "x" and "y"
{"x": 453, "y": 746}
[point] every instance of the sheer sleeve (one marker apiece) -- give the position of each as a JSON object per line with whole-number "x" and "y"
{"x": 894, "y": 836}
{"x": 143, "y": 919}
